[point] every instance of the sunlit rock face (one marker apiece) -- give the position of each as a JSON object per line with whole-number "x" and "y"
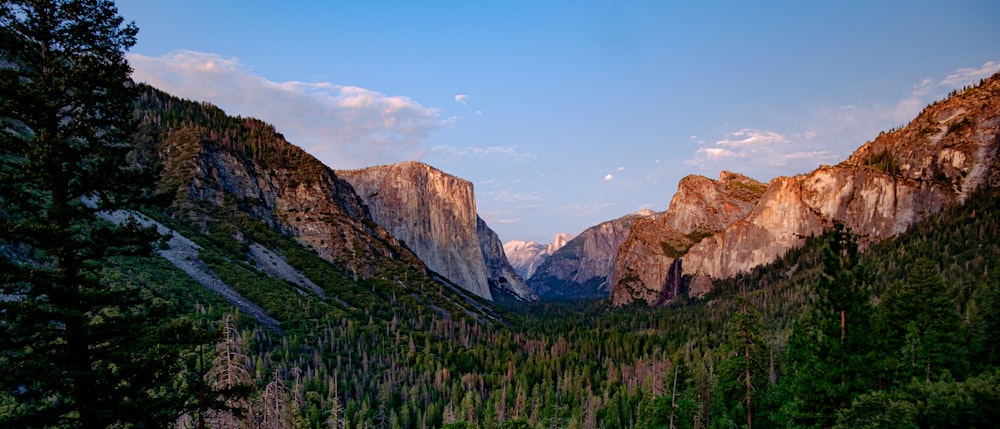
{"x": 938, "y": 159}
{"x": 296, "y": 195}
{"x": 647, "y": 266}
{"x": 434, "y": 214}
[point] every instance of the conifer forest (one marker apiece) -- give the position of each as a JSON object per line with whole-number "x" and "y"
{"x": 99, "y": 330}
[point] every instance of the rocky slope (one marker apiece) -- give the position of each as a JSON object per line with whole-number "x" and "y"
{"x": 949, "y": 150}
{"x": 226, "y": 178}
{"x": 297, "y": 196}
{"x": 500, "y": 274}
{"x": 434, "y": 214}
{"x": 581, "y": 267}
{"x": 648, "y": 267}
{"x": 526, "y": 256}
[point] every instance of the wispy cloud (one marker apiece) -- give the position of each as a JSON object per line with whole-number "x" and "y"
{"x": 609, "y": 177}
{"x": 583, "y": 210}
{"x": 761, "y": 153}
{"x": 506, "y": 152}
{"x": 752, "y": 139}
{"x": 505, "y": 195}
{"x": 344, "y": 126}
{"x": 828, "y": 134}
{"x": 462, "y": 99}
{"x": 969, "y": 75}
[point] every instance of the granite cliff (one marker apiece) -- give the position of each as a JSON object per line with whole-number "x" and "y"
{"x": 234, "y": 181}
{"x": 648, "y": 266}
{"x": 434, "y": 215}
{"x": 940, "y": 157}
{"x": 293, "y": 193}
{"x": 948, "y": 151}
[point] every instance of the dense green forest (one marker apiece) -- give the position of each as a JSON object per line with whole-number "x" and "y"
{"x": 96, "y": 331}
{"x": 922, "y": 320}
{"x": 378, "y": 357}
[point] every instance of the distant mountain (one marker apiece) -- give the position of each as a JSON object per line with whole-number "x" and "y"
{"x": 526, "y": 256}
{"x": 580, "y": 268}
{"x": 947, "y": 152}
{"x": 434, "y": 214}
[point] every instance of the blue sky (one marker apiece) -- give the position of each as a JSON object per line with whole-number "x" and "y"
{"x": 567, "y": 114}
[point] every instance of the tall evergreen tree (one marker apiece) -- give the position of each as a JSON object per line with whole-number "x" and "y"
{"x": 986, "y": 339}
{"x": 743, "y": 373}
{"x": 832, "y": 349}
{"x": 925, "y": 329}
{"x": 77, "y": 349}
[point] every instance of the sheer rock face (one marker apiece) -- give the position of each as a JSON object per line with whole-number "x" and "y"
{"x": 702, "y": 204}
{"x": 500, "y": 272}
{"x": 527, "y": 256}
{"x": 888, "y": 184}
{"x": 938, "y": 159}
{"x": 647, "y": 267}
{"x": 581, "y": 267}
{"x": 434, "y": 214}
{"x": 302, "y": 198}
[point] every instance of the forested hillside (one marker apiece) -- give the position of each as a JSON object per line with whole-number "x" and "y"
{"x": 409, "y": 352}
{"x": 98, "y": 331}
{"x": 584, "y": 365}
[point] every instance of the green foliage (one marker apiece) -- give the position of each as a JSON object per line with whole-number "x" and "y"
{"x": 742, "y": 373}
{"x": 878, "y": 409}
{"x": 81, "y": 344}
{"x": 831, "y": 351}
{"x": 745, "y": 191}
{"x": 673, "y": 250}
{"x": 402, "y": 349}
{"x": 921, "y": 318}
{"x": 885, "y": 162}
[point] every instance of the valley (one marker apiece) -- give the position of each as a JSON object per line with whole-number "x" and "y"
{"x": 167, "y": 264}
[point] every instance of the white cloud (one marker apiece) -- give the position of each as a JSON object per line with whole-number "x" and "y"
{"x": 508, "y": 152}
{"x": 344, "y": 126}
{"x": 747, "y": 138}
{"x": 508, "y": 221}
{"x": 970, "y": 75}
{"x": 620, "y": 169}
{"x": 584, "y": 210}
{"x": 609, "y": 177}
{"x": 507, "y": 196}
{"x": 462, "y": 99}
{"x": 718, "y": 153}
{"x": 761, "y": 153}
{"x": 829, "y": 134}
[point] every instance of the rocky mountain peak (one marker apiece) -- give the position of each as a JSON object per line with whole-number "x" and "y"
{"x": 949, "y": 150}
{"x": 434, "y": 214}
{"x": 647, "y": 266}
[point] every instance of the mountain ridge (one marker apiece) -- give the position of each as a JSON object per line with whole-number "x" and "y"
{"x": 943, "y": 155}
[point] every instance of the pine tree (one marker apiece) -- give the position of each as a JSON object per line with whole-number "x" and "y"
{"x": 77, "y": 349}
{"x": 743, "y": 374}
{"x": 832, "y": 349}
{"x": 924, "y": 326}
